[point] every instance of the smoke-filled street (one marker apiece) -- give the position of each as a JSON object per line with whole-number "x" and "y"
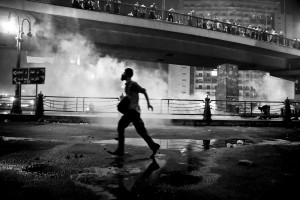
{"x": 69, "y": 161}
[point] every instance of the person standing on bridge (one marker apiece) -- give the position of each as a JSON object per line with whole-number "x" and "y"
{"x": 143, "y": 11}
{"x": 152, "y": 11}
{"x": 133, "y": 114}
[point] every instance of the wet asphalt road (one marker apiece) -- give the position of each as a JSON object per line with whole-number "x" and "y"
{"x": 69, "y": 161}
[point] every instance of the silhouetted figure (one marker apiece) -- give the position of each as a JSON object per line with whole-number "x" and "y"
{"x": 136, "y": 10}
{"x": 81, "y": 4}
{"x": 75, "y": 4}
{"x": 116, "y": 5}
{"x": 170, "y": 15}
{"x": 97, "y": 6}
{"x": 266, "y": 110}
{"x": 133, "y": 114}
{"x": 143, "y": 11}
{"x": 207, "y": 113}
{"x": 90, "y": 5}
{"x": 190, "y": 17}
{"x": 39, "y": 110}
{"x": 287, "y": 114}
{"x": 152, "y": 11}
{"x": 107, "y": 6}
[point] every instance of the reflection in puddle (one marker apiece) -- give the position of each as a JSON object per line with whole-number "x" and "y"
{"x": 182, "y": 144}
{"x": 123, "y": 181}
{"x": 170, "y": 144}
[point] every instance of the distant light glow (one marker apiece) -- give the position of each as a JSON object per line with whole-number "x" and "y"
{"x": 214, "y": 73}
{"x": 78, "y": 60}
{"x": 12, "y": 99}
{"x": 92, "y": 76}
{"x": 9, "y": 26}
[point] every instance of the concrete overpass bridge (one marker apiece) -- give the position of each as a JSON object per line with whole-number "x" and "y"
{"x": 127, "y": 37}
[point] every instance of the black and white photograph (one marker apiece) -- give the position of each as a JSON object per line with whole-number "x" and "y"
{"x": 149, "y": 99}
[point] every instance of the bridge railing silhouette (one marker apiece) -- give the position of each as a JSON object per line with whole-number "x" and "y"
{"x": 170, "y": 16}
{"x": 94, "y": 105}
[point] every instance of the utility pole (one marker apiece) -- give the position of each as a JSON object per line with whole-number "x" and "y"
{"x": 163, "y": 4}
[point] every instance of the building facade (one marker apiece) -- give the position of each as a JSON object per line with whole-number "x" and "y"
{"x": 250, "y": 83}
{"x": 179, "y": 81}
{"x": 205, "y": 81}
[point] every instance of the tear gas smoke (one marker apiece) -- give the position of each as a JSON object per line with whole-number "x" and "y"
{"x": 79, "y": 70}
{"x": 271, "y": 88}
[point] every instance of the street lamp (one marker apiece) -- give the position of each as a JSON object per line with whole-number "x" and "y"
{"x": 16, "y": 107}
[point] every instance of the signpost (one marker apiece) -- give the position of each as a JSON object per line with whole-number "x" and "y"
{"x": 20, "y": 76}
{"x": 29, "y": 76}
{"x": 36, "y": 75}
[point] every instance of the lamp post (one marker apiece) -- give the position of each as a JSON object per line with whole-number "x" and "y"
{"x": 284, "y": 10}
{"x": 16, "y": 107}
{"x": 267, "y": 22}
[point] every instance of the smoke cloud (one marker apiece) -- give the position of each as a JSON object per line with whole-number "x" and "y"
{"x": 80, "y": 70}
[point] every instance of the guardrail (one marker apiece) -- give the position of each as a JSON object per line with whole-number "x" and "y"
{"x": 180, "y": 19}
{"x": 27, "y": 103}
{"x": 109, "y": 105}
{"x": 94, "y": 105}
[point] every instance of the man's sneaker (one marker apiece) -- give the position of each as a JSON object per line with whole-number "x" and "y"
{"x": 154, "y": 150}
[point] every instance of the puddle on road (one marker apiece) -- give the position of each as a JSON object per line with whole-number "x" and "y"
{"x": 40, "y": 169}
{"x": 182, "y": 144}
{"x": 5, "y": 138}
{"x": 115, "y": 182}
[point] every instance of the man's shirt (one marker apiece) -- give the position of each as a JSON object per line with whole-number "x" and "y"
{"x": 132, "y": 90}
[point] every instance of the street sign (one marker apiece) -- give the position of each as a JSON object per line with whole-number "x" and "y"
{"x": 28, "y": 75}
{"x": 37, "y": 75}
{"x": 20, "y": 75}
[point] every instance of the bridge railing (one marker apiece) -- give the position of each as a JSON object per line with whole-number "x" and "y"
{"x": 109, "y": 105}
{"x": 94, "y": 105}
{"x": 27, "y": 103}
{"x": 170, "y": 16}
{"x": 247, "y": 108}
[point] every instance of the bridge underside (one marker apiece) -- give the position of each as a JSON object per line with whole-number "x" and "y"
{"x": 148, "y": 44}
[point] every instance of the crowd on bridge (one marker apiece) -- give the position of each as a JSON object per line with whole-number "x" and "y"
{"x": 151, "y": 12}
{"x": 296, "y": 43}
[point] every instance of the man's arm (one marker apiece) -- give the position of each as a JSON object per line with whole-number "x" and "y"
{"x": 147, "y": 98}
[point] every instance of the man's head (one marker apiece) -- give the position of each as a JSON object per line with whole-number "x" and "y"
{"x": 128, "y": 73}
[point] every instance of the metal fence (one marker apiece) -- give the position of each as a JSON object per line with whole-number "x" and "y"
{"x": 94, "y": 105}
{"x": 173, "y": 17}
{"x": 109, "y": 105}
{"x": 27, "y": 103}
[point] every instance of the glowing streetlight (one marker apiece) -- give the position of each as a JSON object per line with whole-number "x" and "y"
{"x": 16, "y": 108}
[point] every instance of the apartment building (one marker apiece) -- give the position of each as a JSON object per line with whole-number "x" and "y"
{"x": 205, "y": 81}
{"x": 250, "y": 85}
{"x": 179, "y": 81}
